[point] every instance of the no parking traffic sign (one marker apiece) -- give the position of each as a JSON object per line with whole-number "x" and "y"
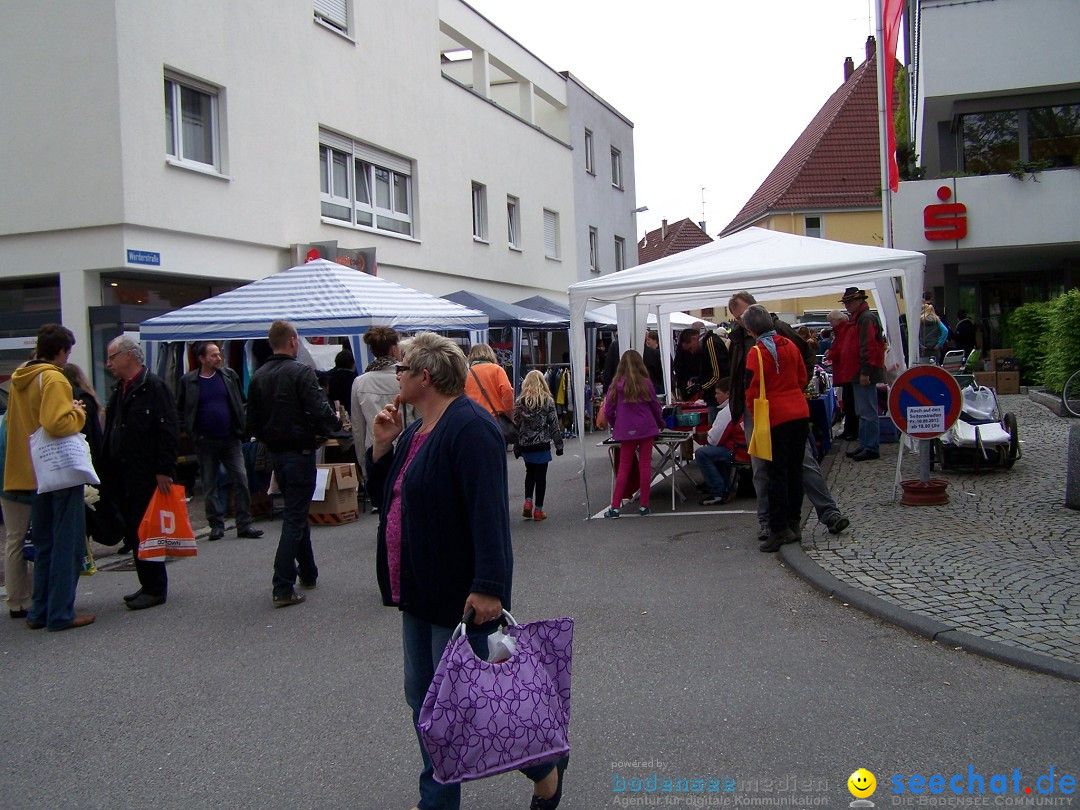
{"x": 924, "y": 402}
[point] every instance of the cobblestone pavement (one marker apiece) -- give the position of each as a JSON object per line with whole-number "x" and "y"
{"x": 1000, "y": 561}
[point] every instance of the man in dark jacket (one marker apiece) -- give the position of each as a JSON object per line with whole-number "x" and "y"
{"x": 141, "y": 438}
{"x": 715, "y": 365}
{"x": 210, "y": 403}
{"x": 287, "y": 411}
{"x": 817, "y": 491}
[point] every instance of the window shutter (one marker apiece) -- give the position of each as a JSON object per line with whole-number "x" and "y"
{"x": 381, "y": 158}
{"x": 335, "y": 141}
{"x": 551, "y": 222}
{"x": 334, "y": 11}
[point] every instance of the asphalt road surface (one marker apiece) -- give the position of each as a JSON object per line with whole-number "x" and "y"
{"x": 695, "y": 657}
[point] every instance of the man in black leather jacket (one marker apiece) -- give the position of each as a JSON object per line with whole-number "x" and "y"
{"x": 141, "y": 438}
{"x": 287, "y": 411}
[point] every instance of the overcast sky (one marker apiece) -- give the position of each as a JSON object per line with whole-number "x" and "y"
{"x": 717, "y": 89}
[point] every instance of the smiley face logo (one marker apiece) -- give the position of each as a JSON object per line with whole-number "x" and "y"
{"x": 861, "y": 784}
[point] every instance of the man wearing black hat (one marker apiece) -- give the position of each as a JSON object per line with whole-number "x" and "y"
{"x": 867, "y": 353}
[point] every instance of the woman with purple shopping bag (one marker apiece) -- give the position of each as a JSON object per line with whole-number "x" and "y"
{"x": 444, "y": 532}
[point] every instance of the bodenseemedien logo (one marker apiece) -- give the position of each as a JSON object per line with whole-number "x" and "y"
{"x": 861, "y": 784}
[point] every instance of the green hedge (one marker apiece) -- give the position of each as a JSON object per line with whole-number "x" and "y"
{"x": 1044, "y": 338}
{"x": 1025, "y": 334}
{"x": 1063, "y": 339}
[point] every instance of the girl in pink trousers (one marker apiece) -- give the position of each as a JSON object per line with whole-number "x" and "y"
{"x": 635, "y": 416}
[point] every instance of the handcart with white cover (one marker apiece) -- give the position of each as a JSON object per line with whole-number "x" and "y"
{"x": 982, "y": 435}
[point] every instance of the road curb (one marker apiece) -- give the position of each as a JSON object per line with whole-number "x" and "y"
{"x": 932, "y": 629}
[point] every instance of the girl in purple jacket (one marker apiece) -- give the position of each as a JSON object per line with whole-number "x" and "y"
{"x": 635, "y": 417}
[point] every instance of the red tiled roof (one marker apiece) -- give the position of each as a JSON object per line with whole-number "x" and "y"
{"x": 834, "y": 163}
{"x": 682, "y": 235}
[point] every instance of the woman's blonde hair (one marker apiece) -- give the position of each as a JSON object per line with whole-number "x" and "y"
{"x": 634, "y": 375}
{"x": 481, "y": 351}
{"x": 443, "y": 359}
{"x": 535, "y": 393}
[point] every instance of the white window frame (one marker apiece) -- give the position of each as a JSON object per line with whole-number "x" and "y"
{"x": 820, "y": 226}
{"x": 594, "y": 250}
{"x": 620, "y": 254}
{"x": 173, "y": 86}
{"x": 616, "y": 167}
{"x": 479, "y": 212}
{"x": 590, "y": 158}
{"x": 333, "y": 13}
{"x": 551, "y": 234}
{"x": 513, "y": 222}
{"x": 376, "y": 169}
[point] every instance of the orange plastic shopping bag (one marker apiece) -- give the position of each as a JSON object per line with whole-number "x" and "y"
{"x": 165, "y": 531}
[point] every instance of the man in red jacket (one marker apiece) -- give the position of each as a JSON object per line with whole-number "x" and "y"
{"x": 865, "y": 355}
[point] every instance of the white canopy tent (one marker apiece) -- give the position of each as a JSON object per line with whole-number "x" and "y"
{"x": 320, "y": 298}
{"x": 770, "y": 265}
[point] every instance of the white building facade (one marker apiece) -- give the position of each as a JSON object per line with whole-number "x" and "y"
{"x": 996, "y": 115}
{"x": 156, "y": 154}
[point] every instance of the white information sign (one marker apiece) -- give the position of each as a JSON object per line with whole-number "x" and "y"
{"x": 926, "y": 419}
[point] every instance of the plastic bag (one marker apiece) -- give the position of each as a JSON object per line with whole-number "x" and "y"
{"x": 500, "y": 646}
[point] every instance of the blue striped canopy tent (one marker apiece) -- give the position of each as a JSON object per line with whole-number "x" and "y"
{"x": 320, "y": 298}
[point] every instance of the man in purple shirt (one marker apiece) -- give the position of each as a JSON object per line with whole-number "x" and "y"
{"x": 212, "y": 411}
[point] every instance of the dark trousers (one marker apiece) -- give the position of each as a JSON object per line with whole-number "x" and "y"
{"x": 295, "y": 475}
{"x": 153, "y": 579}
{"x": 785, "y": 474}
{"x": 536, "y": 479}
{"x": 213, "y": 452}
{"x": 851, "y": 418}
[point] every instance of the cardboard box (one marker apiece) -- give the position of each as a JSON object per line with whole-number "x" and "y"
{"x": 1008, "y": 382}
{"x": 1006, "y": 364}
{"x": 335, "y": 493}
{"x": 996, "y": 354}
{"x": 987, "y": 378}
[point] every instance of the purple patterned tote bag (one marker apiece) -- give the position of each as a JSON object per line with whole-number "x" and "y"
{"x": 480, "y": 719}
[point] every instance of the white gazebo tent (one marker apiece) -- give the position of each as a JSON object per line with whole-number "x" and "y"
{"x": 318, "y": 298}
{"x": 770, "y": 265}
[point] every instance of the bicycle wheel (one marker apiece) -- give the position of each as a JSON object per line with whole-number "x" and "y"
{"x": 1071, "y": 395}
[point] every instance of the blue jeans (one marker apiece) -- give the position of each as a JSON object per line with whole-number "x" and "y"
{"x": 226, "y": 452}
{"x": 423, "y": 644}
{"x": 866, "y": 406}
{"x": 715, "y": 464}
{"x": 295, "y": 474}
{"x": 59, "y": 530}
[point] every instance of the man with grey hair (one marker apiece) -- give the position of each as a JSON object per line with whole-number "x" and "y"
{"x": 286, "y": 410}
{"x": 140, "y": 445}
{"x": 817, "y": 491}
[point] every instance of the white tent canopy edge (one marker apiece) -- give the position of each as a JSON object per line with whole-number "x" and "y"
{"x": 770, "y": 265}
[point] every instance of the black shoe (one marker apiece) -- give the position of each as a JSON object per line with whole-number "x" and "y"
{"x": 763, "y": 532}
{"x": 216, "y": 534}
{"x": 776, "y": 540}
{"x": 853, "y": 453}
{"x": 848, "y": 437}
{"x": 18, "y": 614}
{"x": 144, "y": 601}
{"x": 131, "y": 597}
{"x": 539, "y": 803}
{"x": 866, "y": 455}
{"x": 308, "y": 584}
{"x": 838, "y": 524}
{"x": 125, "y": 549}
{"x": 293, "y": 598}
{"x": 250, "y": 531}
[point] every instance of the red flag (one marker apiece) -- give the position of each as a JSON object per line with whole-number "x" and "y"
{"x": 890, "y": 23}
